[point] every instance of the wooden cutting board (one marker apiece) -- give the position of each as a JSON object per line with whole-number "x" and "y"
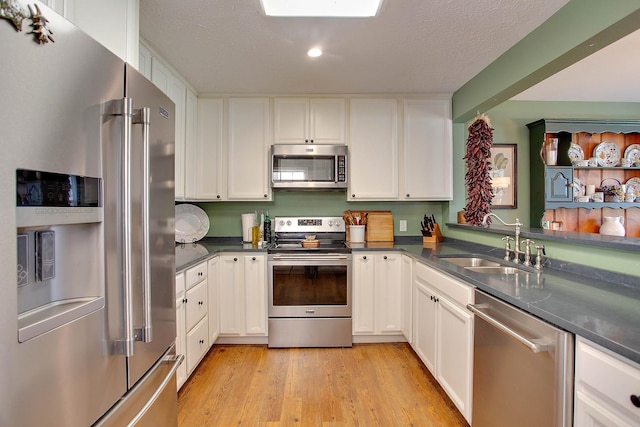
{"x": 379, "y": 226}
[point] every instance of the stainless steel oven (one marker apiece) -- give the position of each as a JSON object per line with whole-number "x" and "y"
{"x": 309, "y": 285}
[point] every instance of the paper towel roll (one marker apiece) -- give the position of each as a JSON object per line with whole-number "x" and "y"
{"x": 248, "y": 221}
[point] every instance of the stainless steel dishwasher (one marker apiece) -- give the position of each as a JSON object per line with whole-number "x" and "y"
{"x": 522, "y": 368}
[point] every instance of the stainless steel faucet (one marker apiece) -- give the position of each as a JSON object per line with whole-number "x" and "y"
{"x": 516, "y": 250}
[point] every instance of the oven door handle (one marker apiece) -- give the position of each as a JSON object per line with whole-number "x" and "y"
{"x": 309, "y": 258}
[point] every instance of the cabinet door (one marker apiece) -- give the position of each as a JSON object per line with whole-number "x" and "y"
{"x": 363, "y": 282}
{"x": 327, "y": 120}
{"x": 454, "y": 360}
{"x": 255, "y": 291}
{"x": 144, "y": 61}
{"x": 197, "y": 344}
{"x": 176, "y": 91}
{"x": 248, "y": 149}
{"x": 212, "y": 280}
{"x": 291, "y": 120}
{"x": 428, "y": 150}
{"x": 205, "y": 166}
{"x": 559, "y": 184}
{"x": 388, "y": 293}
{"x": 181, "y": 340}
{"x": 424, "y": 323}
{"x": 373, "y": 147}
{"x": 590, "y": 411}
{"x": 407, "y": 299}
{"x": 231, "y": 295}
{"x": 197, "y": 304}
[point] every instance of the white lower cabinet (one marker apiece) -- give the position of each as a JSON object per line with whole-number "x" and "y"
{"x": 607, "y": 387}
{"x": 243, "y": 294}
{"x": 181, "y": 333}
{"x": 377, "y": 293}
{"x": 213, "y": 267}
{"x": 192, "y": 318}
{"x": 443, "y": 332}
{"x": 406, "y": 324}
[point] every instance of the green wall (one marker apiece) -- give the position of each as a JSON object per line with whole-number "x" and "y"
{"x": 225, "y": 216}
{"x": 509, "y": 122}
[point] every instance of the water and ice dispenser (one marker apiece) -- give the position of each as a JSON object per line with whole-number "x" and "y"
{"x": 60, "y": 273}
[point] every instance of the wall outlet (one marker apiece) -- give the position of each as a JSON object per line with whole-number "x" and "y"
{"x": 403, "y": 225}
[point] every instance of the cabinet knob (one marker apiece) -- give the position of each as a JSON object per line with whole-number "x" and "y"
{"x": 384, "y": 257}
{"x": 306, "y": 141}
{"x": 218, "y": 196}
{"x": 635, "y": 400}
{"x": 253, "y": 258}
{"x": 184, "y": 300}
{"x": 431, "y": 297}
{"x": 201, "y": 341}
{"x": 265, "y": 196}
{"x": 408, "y": 195}
{"x": 200, "y": 303}
{"x": 235, "y": 259}
{"x": 364, "y": 257}
{"x": 200, "y": 273}
{"x": 353, "y": 195}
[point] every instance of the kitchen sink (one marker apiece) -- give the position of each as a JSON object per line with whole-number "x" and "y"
{"x": 471, "y": 262}
{"x": 501, "y": 269}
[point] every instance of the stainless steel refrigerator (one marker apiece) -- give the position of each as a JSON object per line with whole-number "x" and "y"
{"x": 87, "y": 303}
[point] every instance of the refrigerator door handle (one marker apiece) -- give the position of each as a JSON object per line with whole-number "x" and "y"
{"x": 145, "y": 332}
{"x": 124, "y": 107}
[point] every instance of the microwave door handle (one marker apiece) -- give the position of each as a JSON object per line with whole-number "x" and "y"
{"x": 145, "y": 334}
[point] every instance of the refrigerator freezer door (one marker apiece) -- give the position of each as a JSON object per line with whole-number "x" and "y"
{"x": 152, "y": 402}
{"x": 152, "y": 217}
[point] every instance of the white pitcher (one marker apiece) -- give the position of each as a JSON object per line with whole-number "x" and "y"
{"x": 613, "y": 226}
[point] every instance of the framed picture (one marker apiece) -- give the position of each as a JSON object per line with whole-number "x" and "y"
{"x": 503, "y": 175}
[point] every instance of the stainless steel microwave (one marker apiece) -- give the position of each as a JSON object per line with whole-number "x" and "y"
{"x": 309, "y": 167}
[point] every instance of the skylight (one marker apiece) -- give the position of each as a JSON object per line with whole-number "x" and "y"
{"x": 321, "y": 8}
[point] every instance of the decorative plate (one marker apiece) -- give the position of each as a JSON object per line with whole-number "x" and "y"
{"x": 632, "y": 153}
{"x": 575, "y": 152}
{"x": 192, "y": 223}
{"x": 633, "y": 183}
{"x": 577, "y": 187}
{"x": 607, "y": 154}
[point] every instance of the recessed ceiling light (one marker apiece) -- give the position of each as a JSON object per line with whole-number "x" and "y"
{"x": 314, "y": 52}
{"x": 336, "y": 8}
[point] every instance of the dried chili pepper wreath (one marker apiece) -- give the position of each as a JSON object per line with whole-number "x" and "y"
{"x": 477, "y": 179}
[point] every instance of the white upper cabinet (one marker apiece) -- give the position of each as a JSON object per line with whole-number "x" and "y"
{"x": 309, "y": 120}
{"x": 373, "y": 149}
{"x": 114, "y": 23}
{"x": 427, "y": 166}
{"x": 248, "y": 149}
{"x": 204, "y": 155}
{"x": 176, "y": 90}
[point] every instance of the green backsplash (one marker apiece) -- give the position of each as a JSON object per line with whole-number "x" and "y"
{"x": 225, "y": 216}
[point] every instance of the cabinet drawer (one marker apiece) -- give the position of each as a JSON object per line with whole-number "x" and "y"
{"x": 196, "y": 274}
{"x": 444, "y": 284}
{"x": 197, "y": 344}
{"x": 608, "y": 376}
{"x": 197, "y": 304}
{"x": 180, "y": 285}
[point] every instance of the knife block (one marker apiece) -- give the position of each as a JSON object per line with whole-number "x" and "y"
{"x": 436, "y": 236}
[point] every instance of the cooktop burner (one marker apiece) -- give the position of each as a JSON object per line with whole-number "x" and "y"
{"x": 320, "y": 234}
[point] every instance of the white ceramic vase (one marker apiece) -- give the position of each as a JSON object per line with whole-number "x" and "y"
{"x": 613, "y": 226}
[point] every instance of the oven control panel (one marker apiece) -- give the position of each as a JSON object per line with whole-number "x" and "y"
{"x": 309, "y": 224}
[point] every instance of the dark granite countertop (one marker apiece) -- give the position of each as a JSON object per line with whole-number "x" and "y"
{"x": 599, "y": 305}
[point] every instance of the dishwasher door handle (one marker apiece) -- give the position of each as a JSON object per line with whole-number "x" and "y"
{"x": 536, "y": 345}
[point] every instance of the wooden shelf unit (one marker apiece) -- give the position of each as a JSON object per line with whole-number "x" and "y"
{"x": 582, "y": 217}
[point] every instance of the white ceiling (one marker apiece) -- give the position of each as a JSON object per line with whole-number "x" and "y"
{"x": 413, "y": 46}
{"x": 611, "y": 74}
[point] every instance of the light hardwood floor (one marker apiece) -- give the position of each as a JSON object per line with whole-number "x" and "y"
{"x": 367, "y": 385}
